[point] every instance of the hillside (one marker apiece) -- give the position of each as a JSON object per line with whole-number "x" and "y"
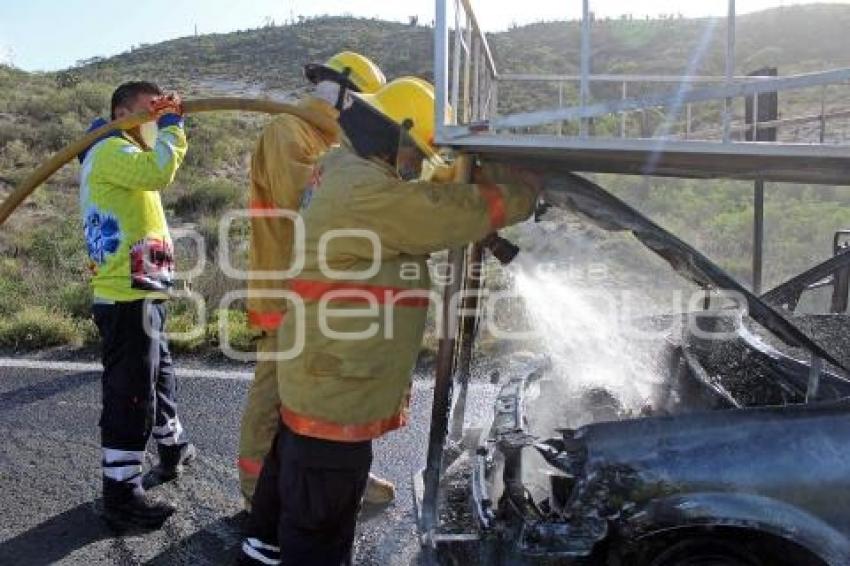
{"x": 796, "y": 39}
{"x": 801, "y": 38}
{"x": 271, "y": 57}
{"x": 42, "y": 274}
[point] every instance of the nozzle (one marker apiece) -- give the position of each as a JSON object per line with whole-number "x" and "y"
{"x": 503, "y": 250}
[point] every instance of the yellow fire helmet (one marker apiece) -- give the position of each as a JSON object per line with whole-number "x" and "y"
{"x": 408, "y": 102}
{"x": 356, "y": 71}
{"x": 432, "y": 90}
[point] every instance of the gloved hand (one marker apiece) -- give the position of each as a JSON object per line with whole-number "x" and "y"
{"x": 437, "y": 173}
{"x": 167, "y": 104}
{"x": 508, "y": 174}
{"x": 168, "y": 110}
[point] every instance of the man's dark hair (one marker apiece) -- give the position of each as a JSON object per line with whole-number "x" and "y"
{"x": 126, "y": 94}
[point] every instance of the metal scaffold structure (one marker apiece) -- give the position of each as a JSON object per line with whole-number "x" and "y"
{"x": 468, "y": 80}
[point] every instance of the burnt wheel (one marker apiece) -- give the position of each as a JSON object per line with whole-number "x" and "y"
{"x": 706, "y": 552}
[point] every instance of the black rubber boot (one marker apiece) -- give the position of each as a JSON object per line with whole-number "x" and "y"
{"x": 172, "y": 463}
{"x": 127, "y": 507}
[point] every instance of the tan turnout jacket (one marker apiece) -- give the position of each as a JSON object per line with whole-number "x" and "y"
{"x": 345, "y": 387}
{"x": 280, "y": 169}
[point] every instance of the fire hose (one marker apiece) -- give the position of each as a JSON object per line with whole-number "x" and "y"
{"x": 69, "y": 152}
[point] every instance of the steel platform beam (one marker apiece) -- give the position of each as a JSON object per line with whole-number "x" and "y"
{"x": 791, "y": 163}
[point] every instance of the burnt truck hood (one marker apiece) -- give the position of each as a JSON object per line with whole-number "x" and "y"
{"x": 635, "y": 478}
{"x": 738, "y": 468}
{"x": 718, "y": 448}
{"x": 777, "y": 469}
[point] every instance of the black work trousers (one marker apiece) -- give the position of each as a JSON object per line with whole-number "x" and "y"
{"x": 308, "y": 497}
{"x": 138, "y": 386}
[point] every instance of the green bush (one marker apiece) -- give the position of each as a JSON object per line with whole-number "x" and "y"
{"x": 206, "y": 197}
{"x": 75, "y": 299}
{"x": 14, "y": 153}
{"x": 34, "y": 328}
{"x": 184, "y": 322}
{"x": 58, "y": 133}
{"x": 58, "y": 245}
{"x": 208, "y": 228}
{"x": 241, "y": 337}
{"x": 93, "y": 99}
{"x": 216, "y": 141}
{"x": 88, "y": 331}
{"x": 12, "y": 292}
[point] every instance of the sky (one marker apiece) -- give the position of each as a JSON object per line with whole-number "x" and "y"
{"x": 41, "y": 35}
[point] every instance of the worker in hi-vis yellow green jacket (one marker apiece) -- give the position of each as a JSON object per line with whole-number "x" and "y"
{"x": 281, "y": 167}
{"x": 132, "y": 264}
{"x": 351, "y": 345}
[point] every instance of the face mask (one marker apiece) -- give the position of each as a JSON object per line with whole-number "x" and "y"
{"x": 149, "y": 132}
{"x": 335, "y": 95}
{"x": 328, "y": 91}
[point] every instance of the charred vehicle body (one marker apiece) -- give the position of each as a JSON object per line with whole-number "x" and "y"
{"x": 741, "y": 458}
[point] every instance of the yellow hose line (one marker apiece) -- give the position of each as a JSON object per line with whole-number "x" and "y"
{"x": 69, "y": 152}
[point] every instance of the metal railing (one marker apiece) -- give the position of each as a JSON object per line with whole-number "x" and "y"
{"x": 466, "y": 88}
{"x": 678, "y": 104}
{"x": 467, "y": 79}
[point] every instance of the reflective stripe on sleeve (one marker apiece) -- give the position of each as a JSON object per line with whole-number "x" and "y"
{"x": 257, "y": 204}
{"x": 495, "y": 205}
{"x": 265, "y": 320}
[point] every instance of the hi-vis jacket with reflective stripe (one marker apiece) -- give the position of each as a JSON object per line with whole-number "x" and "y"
{"x": 373, "y": 232}
{"x": 280, "y": 168}
{"x": 125, "y": 229}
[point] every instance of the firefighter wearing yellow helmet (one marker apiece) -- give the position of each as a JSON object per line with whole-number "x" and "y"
{"x": 364, "y": 294}
{"x": 356, "y": 72}
{"x": 281, "y": 166}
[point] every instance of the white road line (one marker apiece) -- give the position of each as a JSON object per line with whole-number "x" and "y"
{"x": 13, "y": 363}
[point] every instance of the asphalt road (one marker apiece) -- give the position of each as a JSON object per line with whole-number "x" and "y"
{"x": 50, "y": 477}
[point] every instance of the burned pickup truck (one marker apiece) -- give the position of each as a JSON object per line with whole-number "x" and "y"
{"x": 741, "y": 458}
